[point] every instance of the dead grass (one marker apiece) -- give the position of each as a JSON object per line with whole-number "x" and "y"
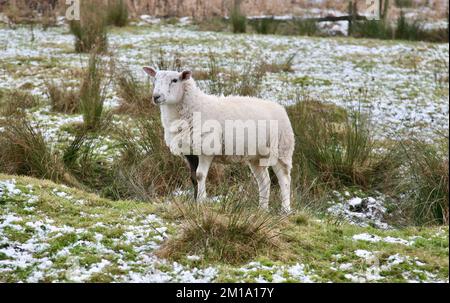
{"x": 63, "y": 97}
{"x": 232, "y": 232}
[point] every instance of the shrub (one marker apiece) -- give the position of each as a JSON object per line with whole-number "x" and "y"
{"x": 117, "y": 13}
{"x": 63, "y": 98}
{"x": 232, "y": 232}
{"x": 91, "y": 31}
{"x": 92, "y": 93}
{"x": 427, "y": 182}
{"x": 238, "y": 20}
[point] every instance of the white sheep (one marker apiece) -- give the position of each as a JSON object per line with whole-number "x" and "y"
{"x": 181, "y": 102}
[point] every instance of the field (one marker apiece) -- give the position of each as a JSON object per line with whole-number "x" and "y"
{"x": 55, "y": 232}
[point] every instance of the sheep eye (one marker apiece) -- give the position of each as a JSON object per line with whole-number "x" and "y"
{"x": 174, "y": 80}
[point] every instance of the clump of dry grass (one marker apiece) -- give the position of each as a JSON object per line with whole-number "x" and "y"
{"x": 25, "y": 152}
{"x": 231, "y": 232}
{"x": 245, "y": 83}
{"x": 15, "y": 102}
{"x": 117, "y": 13}
{"x": 63, "y": 98}
{"x": 135, "y": 96}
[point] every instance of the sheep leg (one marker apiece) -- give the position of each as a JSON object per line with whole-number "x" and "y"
{"x": 284, "y": 180}
{"x": 204, "y": 163}
{"x": 193, "y": 164}
{"x": 262, "y": 177}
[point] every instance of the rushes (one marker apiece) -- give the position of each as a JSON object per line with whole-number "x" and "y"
{"x": 91, "y": 31}
{"x": 92, "y": 93}
{"x": 427, "y": 185}
{"x": 117, "y": 13}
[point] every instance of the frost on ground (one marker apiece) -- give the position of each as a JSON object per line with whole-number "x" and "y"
{"x": 53, "y": 233}
{"x": 404, "y": 85}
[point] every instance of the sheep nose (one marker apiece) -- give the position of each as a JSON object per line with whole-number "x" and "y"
{"x": 156, "y": 98}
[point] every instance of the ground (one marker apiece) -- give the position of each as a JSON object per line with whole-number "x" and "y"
{"x": 49, "y": 232}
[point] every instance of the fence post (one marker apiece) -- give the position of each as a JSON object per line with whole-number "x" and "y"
{"x": 350, "y": 17}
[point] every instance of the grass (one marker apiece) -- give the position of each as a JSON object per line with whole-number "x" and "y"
{"x": 135, "y": 97}
{"x": 117, "y": 13}
{"x": 245, "y": 83}
{"x": 25, "y": 152}
{"x": 335, "y": 148}
{"x": 428, "y": 181}
{"x": 15, "y": 102}
{"x": 231, "y": 233}
{"x": 146, "y": 168}
{"x": 238, "y": 20}
{"x": 321, "y": 246}
{"x": 91, "y": 31}
{"x": 63, "y": 98}
{"x": 92, "y": 93}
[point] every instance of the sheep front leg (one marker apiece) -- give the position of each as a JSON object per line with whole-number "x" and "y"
{"x": 204, "y": 163}
{"x": 262, "y": 177}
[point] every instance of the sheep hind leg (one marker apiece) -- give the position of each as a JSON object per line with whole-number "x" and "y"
{"x": 284, "y": 180}
{"x": 262, "y": 177}
{"x": 193, "y": 164}
{"x": 204, "y": 163}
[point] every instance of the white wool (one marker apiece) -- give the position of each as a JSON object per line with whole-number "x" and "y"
{"x": 233, "y": 108}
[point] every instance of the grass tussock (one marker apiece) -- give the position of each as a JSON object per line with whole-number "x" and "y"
{"x": 91, "y": 31}
{"x": 238, "y": 20}
{"x": 264, "y": 26}
{"x": 117, "y": 13}
{"x": 335, "y": 148}
{"x": 245, "y": 83}
{"x": 63, "y": 97}
{"x": 25, "y": 152}
{"x": 92, "y": 93}
{"x": 427, "y": 183}
{"x": 146, "y": 168}
{"x": 15, "y": 102}
{"x": 135, "y": 97}
{"x": 231, "y": 232}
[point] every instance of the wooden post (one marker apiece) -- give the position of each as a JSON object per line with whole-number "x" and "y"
{"x": 350, "y": 19}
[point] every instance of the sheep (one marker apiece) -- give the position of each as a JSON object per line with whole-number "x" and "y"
{"x": 182, "y": 102}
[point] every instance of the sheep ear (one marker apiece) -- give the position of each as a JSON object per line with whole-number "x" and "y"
{"x": 186, "y": 75}
{"x": 150, "y": 71}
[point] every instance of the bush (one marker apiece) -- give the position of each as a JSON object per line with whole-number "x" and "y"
{"x": 91, "y": 31}
{"x": 232, "y": 232}
{"x": 63, "y": 98}
{"x": 372, "y": 29}
{"x": 117, "y": 13}
{"x": 92, "y": 93}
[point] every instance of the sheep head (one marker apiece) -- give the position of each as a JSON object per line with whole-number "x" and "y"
{"x": 168, "y": 86}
